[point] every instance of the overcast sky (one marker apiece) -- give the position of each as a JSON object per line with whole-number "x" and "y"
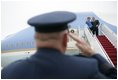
{"x": 15, "y": 14}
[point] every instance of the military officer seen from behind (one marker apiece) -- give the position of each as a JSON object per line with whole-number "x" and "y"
{"x": 50, "y": 61}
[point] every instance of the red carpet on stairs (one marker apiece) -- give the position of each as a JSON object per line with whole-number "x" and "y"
{"x": 109, "y": 48}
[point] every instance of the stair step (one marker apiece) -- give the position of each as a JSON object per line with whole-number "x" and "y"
{"x": 111, "y": 51}
{"x": 114, "y": 59}
{"x": 109, "y": 47}
{"x": 112, "y": 54}
{"x": 106, "y": 42}
{"x": 115, "y": 62}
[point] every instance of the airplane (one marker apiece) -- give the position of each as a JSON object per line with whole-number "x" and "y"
{"x": 22, "y": 44}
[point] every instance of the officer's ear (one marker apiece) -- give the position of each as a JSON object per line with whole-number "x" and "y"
{"x": 65, "y": 40}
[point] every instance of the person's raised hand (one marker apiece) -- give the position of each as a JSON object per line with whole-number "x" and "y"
{"x": 82, "y": 45}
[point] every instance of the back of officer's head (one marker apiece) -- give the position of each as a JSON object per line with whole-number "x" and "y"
{"x": 51, "y": 29}
{"x": 52, "y": 40}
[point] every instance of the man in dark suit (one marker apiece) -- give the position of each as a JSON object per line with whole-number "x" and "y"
{"x": 50, "y": 61}
{"x": 95, "y": 25}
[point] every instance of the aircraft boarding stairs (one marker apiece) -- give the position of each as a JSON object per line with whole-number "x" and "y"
{"x": 105, "y": 44}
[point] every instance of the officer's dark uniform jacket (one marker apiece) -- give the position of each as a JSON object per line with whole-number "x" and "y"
{"x": 51, "y": 63}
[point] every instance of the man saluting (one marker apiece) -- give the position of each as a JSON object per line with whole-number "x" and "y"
{"x": 50, "y": 61}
